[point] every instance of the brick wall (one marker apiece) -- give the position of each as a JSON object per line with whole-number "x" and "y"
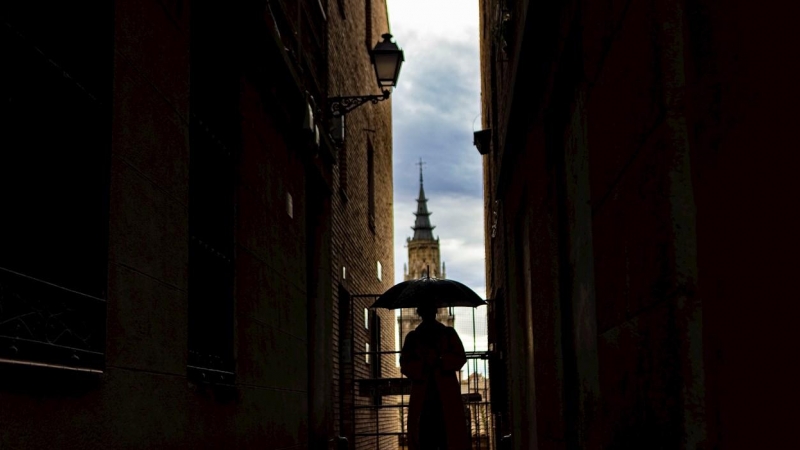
{"x": 144, "y": 398}
{"x": 357, "y": 244}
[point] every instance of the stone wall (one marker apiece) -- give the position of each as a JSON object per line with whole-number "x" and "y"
{"x": 423, "y": 258}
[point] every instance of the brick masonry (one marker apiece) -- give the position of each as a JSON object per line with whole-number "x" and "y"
{"x": 358, "y": 243}
{"x": 292, "y": 217}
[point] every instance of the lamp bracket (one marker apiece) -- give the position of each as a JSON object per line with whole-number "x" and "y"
{"x": 340, "y": 106}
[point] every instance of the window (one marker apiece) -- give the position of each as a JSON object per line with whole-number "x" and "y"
{"x": 366, "y": 318}
{"x": 342, "y": 9}
{"x": 343, "y": 169}
{"x": 371, "y": 185}
{"x": 54, "y": 183}
{"x": 368, "y": 24}
{"x": 214, "y": 136}
{"x": 345, "y": 330}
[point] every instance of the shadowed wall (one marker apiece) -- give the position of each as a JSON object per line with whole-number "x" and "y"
{"x": 636, "y": 195}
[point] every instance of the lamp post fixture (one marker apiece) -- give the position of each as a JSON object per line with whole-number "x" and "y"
{"x": 387, "y": 58}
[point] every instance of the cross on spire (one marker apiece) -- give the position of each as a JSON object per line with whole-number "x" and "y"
{"x": 420, "y": 164}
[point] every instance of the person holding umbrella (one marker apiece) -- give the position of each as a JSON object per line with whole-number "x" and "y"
{"x": 430, "y": 357}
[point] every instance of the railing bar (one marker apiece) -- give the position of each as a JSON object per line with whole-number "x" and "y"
{"x": 50, "y": 344}
{"x": 474, "y": 333}
{"x": 30, "y": 278}
{"x": 387, "y": 352}
{"x": 387, "y": 433}
{"x": 50, "y": 366}
{"x": 206, "y": 369}
{"x": 379, "y": 407}
{"x": 469, "y": 355}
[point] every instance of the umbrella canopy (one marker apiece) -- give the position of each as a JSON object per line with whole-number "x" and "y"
{"x": 428, "y": 291}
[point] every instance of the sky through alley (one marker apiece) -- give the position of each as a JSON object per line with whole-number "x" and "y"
{"x": 436, "y": 106}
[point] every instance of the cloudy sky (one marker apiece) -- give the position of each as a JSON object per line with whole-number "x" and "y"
{"x": 436, "y": 106}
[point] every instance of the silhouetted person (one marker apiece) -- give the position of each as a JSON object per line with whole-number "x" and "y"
{"x": 430, "y": 357}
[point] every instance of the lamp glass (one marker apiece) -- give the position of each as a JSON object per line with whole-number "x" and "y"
{"x": 387, "y": 66}
{"x": 387, "y": 58}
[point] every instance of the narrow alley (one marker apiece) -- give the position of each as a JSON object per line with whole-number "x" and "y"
{"x": 398, "y": 225}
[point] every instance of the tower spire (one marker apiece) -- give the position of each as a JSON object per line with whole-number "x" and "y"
{"x": 422, "y": 226}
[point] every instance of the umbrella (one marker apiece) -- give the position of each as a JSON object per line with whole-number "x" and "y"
{"x": 427, "y": 291}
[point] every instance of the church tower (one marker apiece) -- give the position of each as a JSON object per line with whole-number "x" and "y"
{"x": 424, "y": 259}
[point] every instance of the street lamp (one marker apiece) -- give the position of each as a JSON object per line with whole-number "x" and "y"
{"x": 387, "y": 58}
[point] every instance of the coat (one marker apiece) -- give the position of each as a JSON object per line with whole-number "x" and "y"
{"x": 433, "y": 353}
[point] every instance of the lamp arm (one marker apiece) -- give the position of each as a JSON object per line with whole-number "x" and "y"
{"x": 340, "y": 106}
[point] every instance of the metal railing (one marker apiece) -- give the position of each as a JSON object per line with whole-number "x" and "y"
{"x": 379, "y": 408}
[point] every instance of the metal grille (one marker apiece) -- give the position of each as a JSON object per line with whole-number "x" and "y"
{"x": 472, "y": 326}
{"x": 55, "y": 121}
{"x": 44, "y": 323}
{"x": 383, "y": 425}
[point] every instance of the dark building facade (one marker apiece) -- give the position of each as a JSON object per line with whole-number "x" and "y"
{"x": 363, "y": 229}
{"x": 638, "y": 236}
{"x": 174, "y": 230}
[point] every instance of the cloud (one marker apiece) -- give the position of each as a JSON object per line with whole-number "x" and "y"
{"x": 438, "y": 96}
{"x": 436, "y": 18}
{"x": 439, "y": 85}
